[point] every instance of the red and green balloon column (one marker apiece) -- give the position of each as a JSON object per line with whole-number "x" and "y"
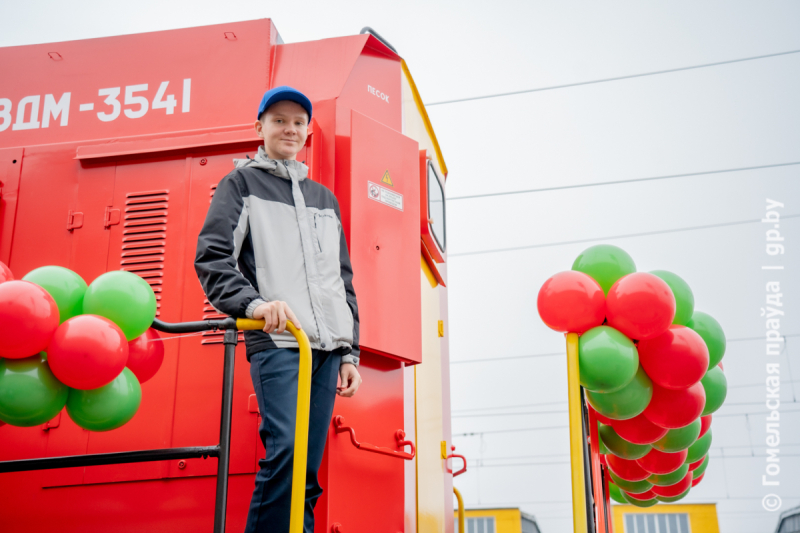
{"x": 649, "y": 366}
{"x": 66, "y": 344}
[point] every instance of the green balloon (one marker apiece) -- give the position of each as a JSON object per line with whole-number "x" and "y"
{"x": 700, "y": 470}
{"x": 616, "y": 494}
{"x": 677, "y": 440}
{"x": 684, "y": 299}
{"x": 125, "y": 299}
{"x": 634, "y": 487}
{"x": 627, "y": 402}
{"x": 708, "y": 328}
{"x": 65, "y": 286}
{"x": 699, "y": 448}
{"x": 607, "y": 359}
{"x": 605, "y": 264}
{"x": 107, "y": 407}
{"x": 601, "y": 445}
{"x": 665, "y": 480}
{"x": 29, "y": 392}
{"x": 671, "y": 499}
{"x": 639, "y": 503}
{"x": 619, "y": 446}
{"x": 716, "y": 386}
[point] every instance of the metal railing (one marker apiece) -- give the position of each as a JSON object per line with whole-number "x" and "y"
{"x": 590, "y": 504}
{"x": 231, "y": 327}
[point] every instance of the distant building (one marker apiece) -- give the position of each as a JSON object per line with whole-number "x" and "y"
{"x": 789, "y": 522}
{"x": 501, "y": 520}
{"x": 666, "y": 518}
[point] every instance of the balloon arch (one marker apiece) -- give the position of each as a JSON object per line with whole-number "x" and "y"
{"x": 650, "y": 369}
{"x": 63, "y": 343}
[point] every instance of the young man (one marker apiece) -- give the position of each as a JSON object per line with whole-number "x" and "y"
{"x": 272, "y": 247}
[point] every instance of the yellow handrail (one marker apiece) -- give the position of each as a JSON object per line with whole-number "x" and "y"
{"x": 579, "y": 524}
{"x": 301, "y": 424}
{"x": 460, "y": 510}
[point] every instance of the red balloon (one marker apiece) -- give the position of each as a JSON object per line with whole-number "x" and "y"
{"x": 87, "y": 352}
{"x": 697, "y": 463}
{"x": 658, "y": 462}
{"x": 28, "y": 318}
{"x": 648, "y": 495}
{"x": 673, "y": 409}
{"x": 571, "y": 301}
{"x": 673, "y": 490}
{"x": 640, "y": 305}
{"x": 697, "y": 480}
{"x": 5, "y": 273}
{"x": 145, "y": 355}
{"x": 676, "y": 359}
{"x": 626, "y": 469}
{"x": 605, "y": 420}
{"x": 638, "y": 430}
{"x": 720, "y": 366}
{"x": 705, "y": 423}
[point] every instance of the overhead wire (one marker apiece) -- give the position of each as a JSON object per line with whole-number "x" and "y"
{"x": 612, "y": 237}
{"x": 563, "y": 353}
{"x": 615, "y": 78}
{"x": 509, "y": 406}
{"x": 515, "y": 430}
{"x": 543, "y": 428}
{"x": 535, "y": 463}
{"x": 564, "y": 411}
{"x": 620, "y": 182}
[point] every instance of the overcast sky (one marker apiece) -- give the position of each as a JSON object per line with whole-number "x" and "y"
{"x": 744, "y": 114}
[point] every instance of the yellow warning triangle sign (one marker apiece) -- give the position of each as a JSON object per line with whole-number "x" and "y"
{"x": 387, "y": 179}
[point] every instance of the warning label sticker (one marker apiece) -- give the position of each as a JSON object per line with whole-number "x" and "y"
{"x": 384, "y": 196}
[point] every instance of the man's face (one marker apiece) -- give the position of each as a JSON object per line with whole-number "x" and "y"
{"x": 284, "y": 128}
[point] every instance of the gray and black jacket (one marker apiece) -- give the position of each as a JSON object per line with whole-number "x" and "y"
{"x": 271, "y": 234}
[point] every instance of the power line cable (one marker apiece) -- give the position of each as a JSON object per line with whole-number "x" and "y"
{"x": 516, "y": 430}
{"x": 509, "y": 406}
{"x": 507, "y": 358}
{"x": 536, "y": 463}
{"x": 563, "y": 353}
{"x": 616, "y": 78}
{"x": 518, "y": 406}
{"x": 643, "y": 234}
{"x": 556, "y": 412}
{"x": 566, "y": 456}
{"x": 564, "y": 411}
{"x": 618, "y": 182}
{"x": 540, "y": 428}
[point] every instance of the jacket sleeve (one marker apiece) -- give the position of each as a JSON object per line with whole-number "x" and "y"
{"x": 218, "y": 247}
{"x": 347, "y": 277}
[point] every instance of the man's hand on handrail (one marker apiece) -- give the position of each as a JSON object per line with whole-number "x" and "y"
{"x": 275, "y": 315}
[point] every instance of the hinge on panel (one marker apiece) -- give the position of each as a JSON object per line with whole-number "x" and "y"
{"x": 111, "y": 217}
{"x": 74, "y": 220}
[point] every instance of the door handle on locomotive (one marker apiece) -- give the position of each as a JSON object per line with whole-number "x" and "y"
{"x": 399, "y": 435}
{"x": 456, "y": 456}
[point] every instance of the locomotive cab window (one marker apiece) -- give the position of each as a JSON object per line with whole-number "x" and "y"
{"x": 436, "y": 209}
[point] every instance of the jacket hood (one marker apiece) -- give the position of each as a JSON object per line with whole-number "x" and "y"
{"x": 280, "y": 168}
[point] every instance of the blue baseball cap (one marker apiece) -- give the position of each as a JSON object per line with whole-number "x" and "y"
{"x": 284, "y": 92}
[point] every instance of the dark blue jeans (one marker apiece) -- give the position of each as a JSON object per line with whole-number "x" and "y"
{"x": 274, "y": 374}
